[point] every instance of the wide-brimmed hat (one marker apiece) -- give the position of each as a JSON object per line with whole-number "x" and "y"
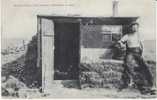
{"x": 133, "y": 23}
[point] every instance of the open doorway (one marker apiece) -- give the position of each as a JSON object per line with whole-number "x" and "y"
{"x": 66, "y": 54}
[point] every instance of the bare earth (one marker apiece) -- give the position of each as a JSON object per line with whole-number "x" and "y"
{"x": 60, "y": 91}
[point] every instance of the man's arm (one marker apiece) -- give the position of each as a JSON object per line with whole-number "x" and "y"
{"x": 141, "y": 46}
{"x": 122, "y": 41}
{"x": 140, "y": 41}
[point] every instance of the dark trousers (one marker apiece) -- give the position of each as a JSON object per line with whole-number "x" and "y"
{"x": 135, "y": 68}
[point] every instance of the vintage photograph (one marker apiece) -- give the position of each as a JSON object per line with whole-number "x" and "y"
{"x": 78, "y": 49}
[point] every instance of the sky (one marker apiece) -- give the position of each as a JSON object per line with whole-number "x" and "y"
{"x": 19, "y": 17}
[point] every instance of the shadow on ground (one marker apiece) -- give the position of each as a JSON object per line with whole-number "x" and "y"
{"x": 71, "y": 84}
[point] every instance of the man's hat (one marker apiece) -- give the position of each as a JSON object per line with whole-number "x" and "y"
{"x": 133, "y": 23}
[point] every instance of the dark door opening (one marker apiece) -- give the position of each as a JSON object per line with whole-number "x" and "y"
{"x": 66, "y": 54}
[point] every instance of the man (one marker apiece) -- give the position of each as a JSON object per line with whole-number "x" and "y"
{"x": 135, "y": 68}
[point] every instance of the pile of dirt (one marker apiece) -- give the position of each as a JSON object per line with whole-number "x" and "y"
{"x": 32, "y": 74}
{"x": 105, "y": 74}
{"x": 14, "y": 68}
{"x": 11, "y": 86}
{"x": 100, "y": 75}
{"x": 24, "y": 68}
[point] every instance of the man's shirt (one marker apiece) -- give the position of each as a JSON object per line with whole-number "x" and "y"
{"x": 132, "y": 40}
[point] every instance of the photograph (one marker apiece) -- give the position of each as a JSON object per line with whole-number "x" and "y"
{"x": 78, "y": 49}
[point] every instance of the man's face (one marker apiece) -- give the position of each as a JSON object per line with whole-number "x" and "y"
{"x": 135, "y": 28}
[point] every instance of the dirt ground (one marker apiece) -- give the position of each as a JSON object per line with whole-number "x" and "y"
{"x": 61, "y": 90}
{"x": 69, "y": 89}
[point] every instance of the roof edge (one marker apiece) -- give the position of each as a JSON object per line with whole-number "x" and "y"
{"x": 76, "y": 16}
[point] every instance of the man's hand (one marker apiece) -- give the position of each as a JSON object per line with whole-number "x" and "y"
{"x": 120, "y": 45}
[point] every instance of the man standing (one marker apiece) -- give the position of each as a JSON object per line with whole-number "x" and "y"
{"x": 135, "y": 67}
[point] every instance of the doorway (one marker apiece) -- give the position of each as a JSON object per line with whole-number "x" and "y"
{"x": 66, "y": 53}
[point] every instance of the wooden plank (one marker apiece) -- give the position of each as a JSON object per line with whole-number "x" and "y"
{"x": 38, "y": 43}
{"x": 47, "y": 54}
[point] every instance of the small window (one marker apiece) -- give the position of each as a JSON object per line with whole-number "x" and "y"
{"x": 111, "y": 33}
{"x": 107, "y": 37}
